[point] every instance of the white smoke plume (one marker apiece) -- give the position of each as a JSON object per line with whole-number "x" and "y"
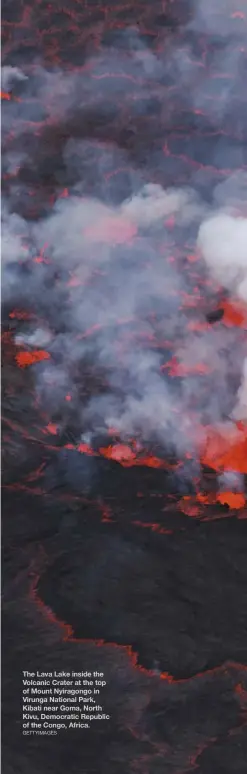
{"x": 231, "y": 481}
{"x": 10, "y": 75}
{"x": 222, "y": 240}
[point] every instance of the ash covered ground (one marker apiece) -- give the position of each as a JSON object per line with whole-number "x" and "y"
{"x": 124, "y": 375}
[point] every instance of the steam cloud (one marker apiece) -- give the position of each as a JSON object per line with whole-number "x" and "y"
{"x": 223, "y": 242}
{"x": 108, "y": 257}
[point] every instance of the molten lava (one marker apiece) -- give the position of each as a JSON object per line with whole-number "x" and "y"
{"x": 25, "y": 359}
{"x": 234, "y": 314}
{"x": 235, "y": 500}
{"x": 127, "y": 458}
{"x": 226, "y": 450}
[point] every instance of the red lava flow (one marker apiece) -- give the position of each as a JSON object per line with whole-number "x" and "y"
{"x": 68, "y": 635}
{"x": 68, "y": 41}
{"x": 234, "y": 314}
{"x": 226, "y": 450}
{"x": 25, "y": 359}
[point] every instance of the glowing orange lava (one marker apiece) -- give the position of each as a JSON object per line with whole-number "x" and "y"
{"x": 226, "y": 449}
{"x": 235, "y": 500}
{"x": 127, "y": 458}
{"x": 25, "y": 359}
{"x": 194, "y": 505}
{"x": 120, "y": 453}
{"x": 51, "y": 428}
{"x": 234, "y": 314}
{"x": 84, "y": 448}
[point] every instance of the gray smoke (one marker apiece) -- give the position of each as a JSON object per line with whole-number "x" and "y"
{"x": 110, "y": 262}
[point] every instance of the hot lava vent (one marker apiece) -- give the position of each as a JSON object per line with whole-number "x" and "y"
{"x": 124, "y": 371}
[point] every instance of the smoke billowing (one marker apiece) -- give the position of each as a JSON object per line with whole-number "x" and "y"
{"x": 123, "y": 225}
